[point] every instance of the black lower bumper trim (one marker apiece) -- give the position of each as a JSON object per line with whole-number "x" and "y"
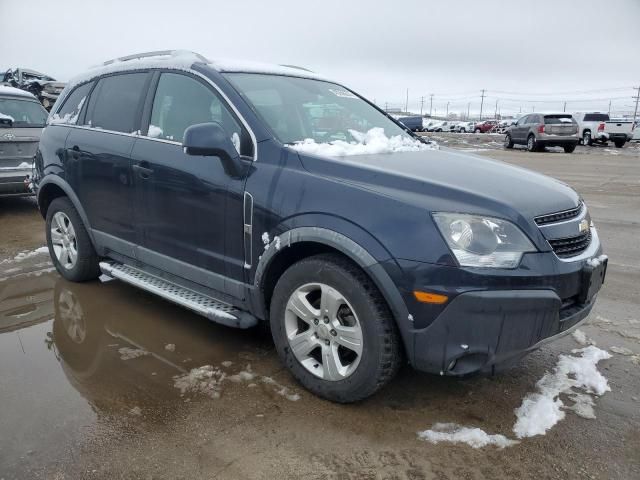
{"x": 479, "y": 331}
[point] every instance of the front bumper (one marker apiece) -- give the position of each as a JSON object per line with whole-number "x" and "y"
{"x": 493, "y": 316}
{"x": 480, "y": 331}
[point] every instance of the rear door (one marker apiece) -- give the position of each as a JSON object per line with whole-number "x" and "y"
{"x": 99, "y": 151}
{"x": 182, "y": 208}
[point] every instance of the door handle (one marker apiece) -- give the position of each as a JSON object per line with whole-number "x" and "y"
{"x": 143, "y": 172}
{"x": 75, "y": 152}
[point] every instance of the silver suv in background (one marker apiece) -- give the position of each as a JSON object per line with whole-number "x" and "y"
{"x": 22, "y": 118}
{"x": 540, "y": 130}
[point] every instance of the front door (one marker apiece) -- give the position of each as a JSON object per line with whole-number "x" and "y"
{"x": 518, "y": 131}
{"x": 182, "y": 205}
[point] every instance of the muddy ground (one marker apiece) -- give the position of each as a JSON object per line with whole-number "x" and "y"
{"x": 77, "y": 400}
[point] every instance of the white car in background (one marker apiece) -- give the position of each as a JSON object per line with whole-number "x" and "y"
{"x": 436, "y": 126}
{"x": 464, "y": 127}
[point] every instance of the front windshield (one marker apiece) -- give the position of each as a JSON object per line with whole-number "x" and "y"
{"x": 21, "y": 113}
{"x": 297, "y": 109}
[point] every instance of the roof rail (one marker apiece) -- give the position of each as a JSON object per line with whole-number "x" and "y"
{"x": 297, "y": 68}
{"x": 158, "y": 53}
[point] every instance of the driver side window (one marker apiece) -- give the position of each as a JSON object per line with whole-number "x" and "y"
{"x": 181, "y": 101}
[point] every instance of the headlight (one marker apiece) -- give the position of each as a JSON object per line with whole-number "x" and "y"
{"x": 478, "y": 241}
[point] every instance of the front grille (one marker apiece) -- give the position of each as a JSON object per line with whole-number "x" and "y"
{"x": 559, "y": 216}
{"x": 571, "y": 246}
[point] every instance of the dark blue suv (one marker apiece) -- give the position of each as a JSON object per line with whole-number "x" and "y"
{"x": 251, "y": 193}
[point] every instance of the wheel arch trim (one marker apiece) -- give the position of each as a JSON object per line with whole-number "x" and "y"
{"x": 352, "y": 250}
{"x": 66, "y": 188}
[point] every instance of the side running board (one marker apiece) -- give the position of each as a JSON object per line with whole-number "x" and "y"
{"x": 206, "y": 306}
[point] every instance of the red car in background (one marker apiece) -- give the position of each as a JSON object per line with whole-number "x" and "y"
{"x": 484, "y": 127}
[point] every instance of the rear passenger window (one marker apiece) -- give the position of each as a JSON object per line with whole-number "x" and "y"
{"x": 114, "y": 104}
{"x": 72, "y": 106}
{"x": 181, "y": 101}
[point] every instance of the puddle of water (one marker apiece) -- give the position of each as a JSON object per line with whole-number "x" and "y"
{"x": 62, "y": 375}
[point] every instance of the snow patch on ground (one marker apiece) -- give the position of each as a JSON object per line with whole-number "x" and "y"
{"x": 575, "y": 376}
{"x": 474, "y": 437}
{"x": 621, "y": 351}
{"x": 127, "y": 353}
{"x": 373, "y": 141}
{"x": 170, "y": 347}
{"x": 26, "y": 254}
{"x": 581, "y": 337}
{"x": 543, "y": 409}
{"x": 208, "y": 380}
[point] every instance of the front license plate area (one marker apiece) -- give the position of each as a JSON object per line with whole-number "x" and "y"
{"x": 592, "y": 280}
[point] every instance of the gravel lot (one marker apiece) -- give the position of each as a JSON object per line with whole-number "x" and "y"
{"x": 90, "y": 375}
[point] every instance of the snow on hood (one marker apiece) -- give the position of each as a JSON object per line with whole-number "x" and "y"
{"x": 373, "y": 141}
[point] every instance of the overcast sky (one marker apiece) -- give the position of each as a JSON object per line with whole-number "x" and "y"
{"x": 521, "y": 52}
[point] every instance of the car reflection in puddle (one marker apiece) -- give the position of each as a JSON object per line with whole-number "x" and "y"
{"x": 118, "y": 344}
{"x": 58, "y": 339}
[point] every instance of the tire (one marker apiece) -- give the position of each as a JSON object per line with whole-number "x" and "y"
{"x": 463, "y": 130}
{"x": 80, "y": 262}
{"x": 532, "y": 144}
{"x": 619, "y": 143}
{"x": 586, "y": 138}
{"x": 349, "y": 290}
{"x": 477, "y": 130}
{"x": 569, "y": 148}
{"x": 508, "y": 141}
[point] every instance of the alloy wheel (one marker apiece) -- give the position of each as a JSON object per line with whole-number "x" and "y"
{"x": 323, "y": 331}
{"x": 63, "y": 240}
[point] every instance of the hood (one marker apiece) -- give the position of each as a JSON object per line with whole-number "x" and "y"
{"x": 448, "y": 180}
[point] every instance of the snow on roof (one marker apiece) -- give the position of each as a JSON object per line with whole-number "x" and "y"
{"x": 184, "y": 60}
{"x": 16, "y": 92}
{"x": 230, "y": 65}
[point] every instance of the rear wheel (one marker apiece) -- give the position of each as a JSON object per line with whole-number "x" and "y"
{"x": 69, "y": 245}
{"x": 619, "y": 143}
{"x": 477, "y": 130}
{"x": 586, "y": 138}
{"x": 569, "y": 148}
{"x": 508, "y": 141}
{"x": 532, "y": 144}
{"x": 333, "y": 330}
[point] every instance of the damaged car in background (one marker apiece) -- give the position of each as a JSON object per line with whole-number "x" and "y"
{"x": 45, "y": 88}
{"x": 21, "y": 121}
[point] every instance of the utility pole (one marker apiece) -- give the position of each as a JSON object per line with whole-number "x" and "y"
{"x": 386, "y": 107}
{"x": 421, "y": 104}
{"x": 430, "y": 103}
{"x": 637, "y": 97}
{"x": 468, "y": 109}
{"x": 495, "y": 114}
{"x": 447, "y": 116}
{"x": 564, "y": 109}
{"x": 609, "y": 111}
{"x": 482, "y": 102}
{"x": 406, "y": 103}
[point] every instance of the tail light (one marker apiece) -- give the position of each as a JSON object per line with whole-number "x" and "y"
{"x": 601, "y": 127}
{"x": 541, "y": 128}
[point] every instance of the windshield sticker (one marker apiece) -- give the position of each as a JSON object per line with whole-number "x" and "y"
{"x": 342, "y": 93}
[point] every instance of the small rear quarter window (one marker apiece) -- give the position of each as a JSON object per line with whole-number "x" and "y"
{"x": 72, "y": 106}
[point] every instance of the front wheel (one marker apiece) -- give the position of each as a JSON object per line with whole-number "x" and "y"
{"x": 569, "y": 148}
{"x": 508, "y": 141}
{"x": 333, "y": 330}
{"x": 477, "y": 130}
{"x": 69, "y": 244}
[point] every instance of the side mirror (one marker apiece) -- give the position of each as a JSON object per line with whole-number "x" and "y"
{"x": 211, "y": 140}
